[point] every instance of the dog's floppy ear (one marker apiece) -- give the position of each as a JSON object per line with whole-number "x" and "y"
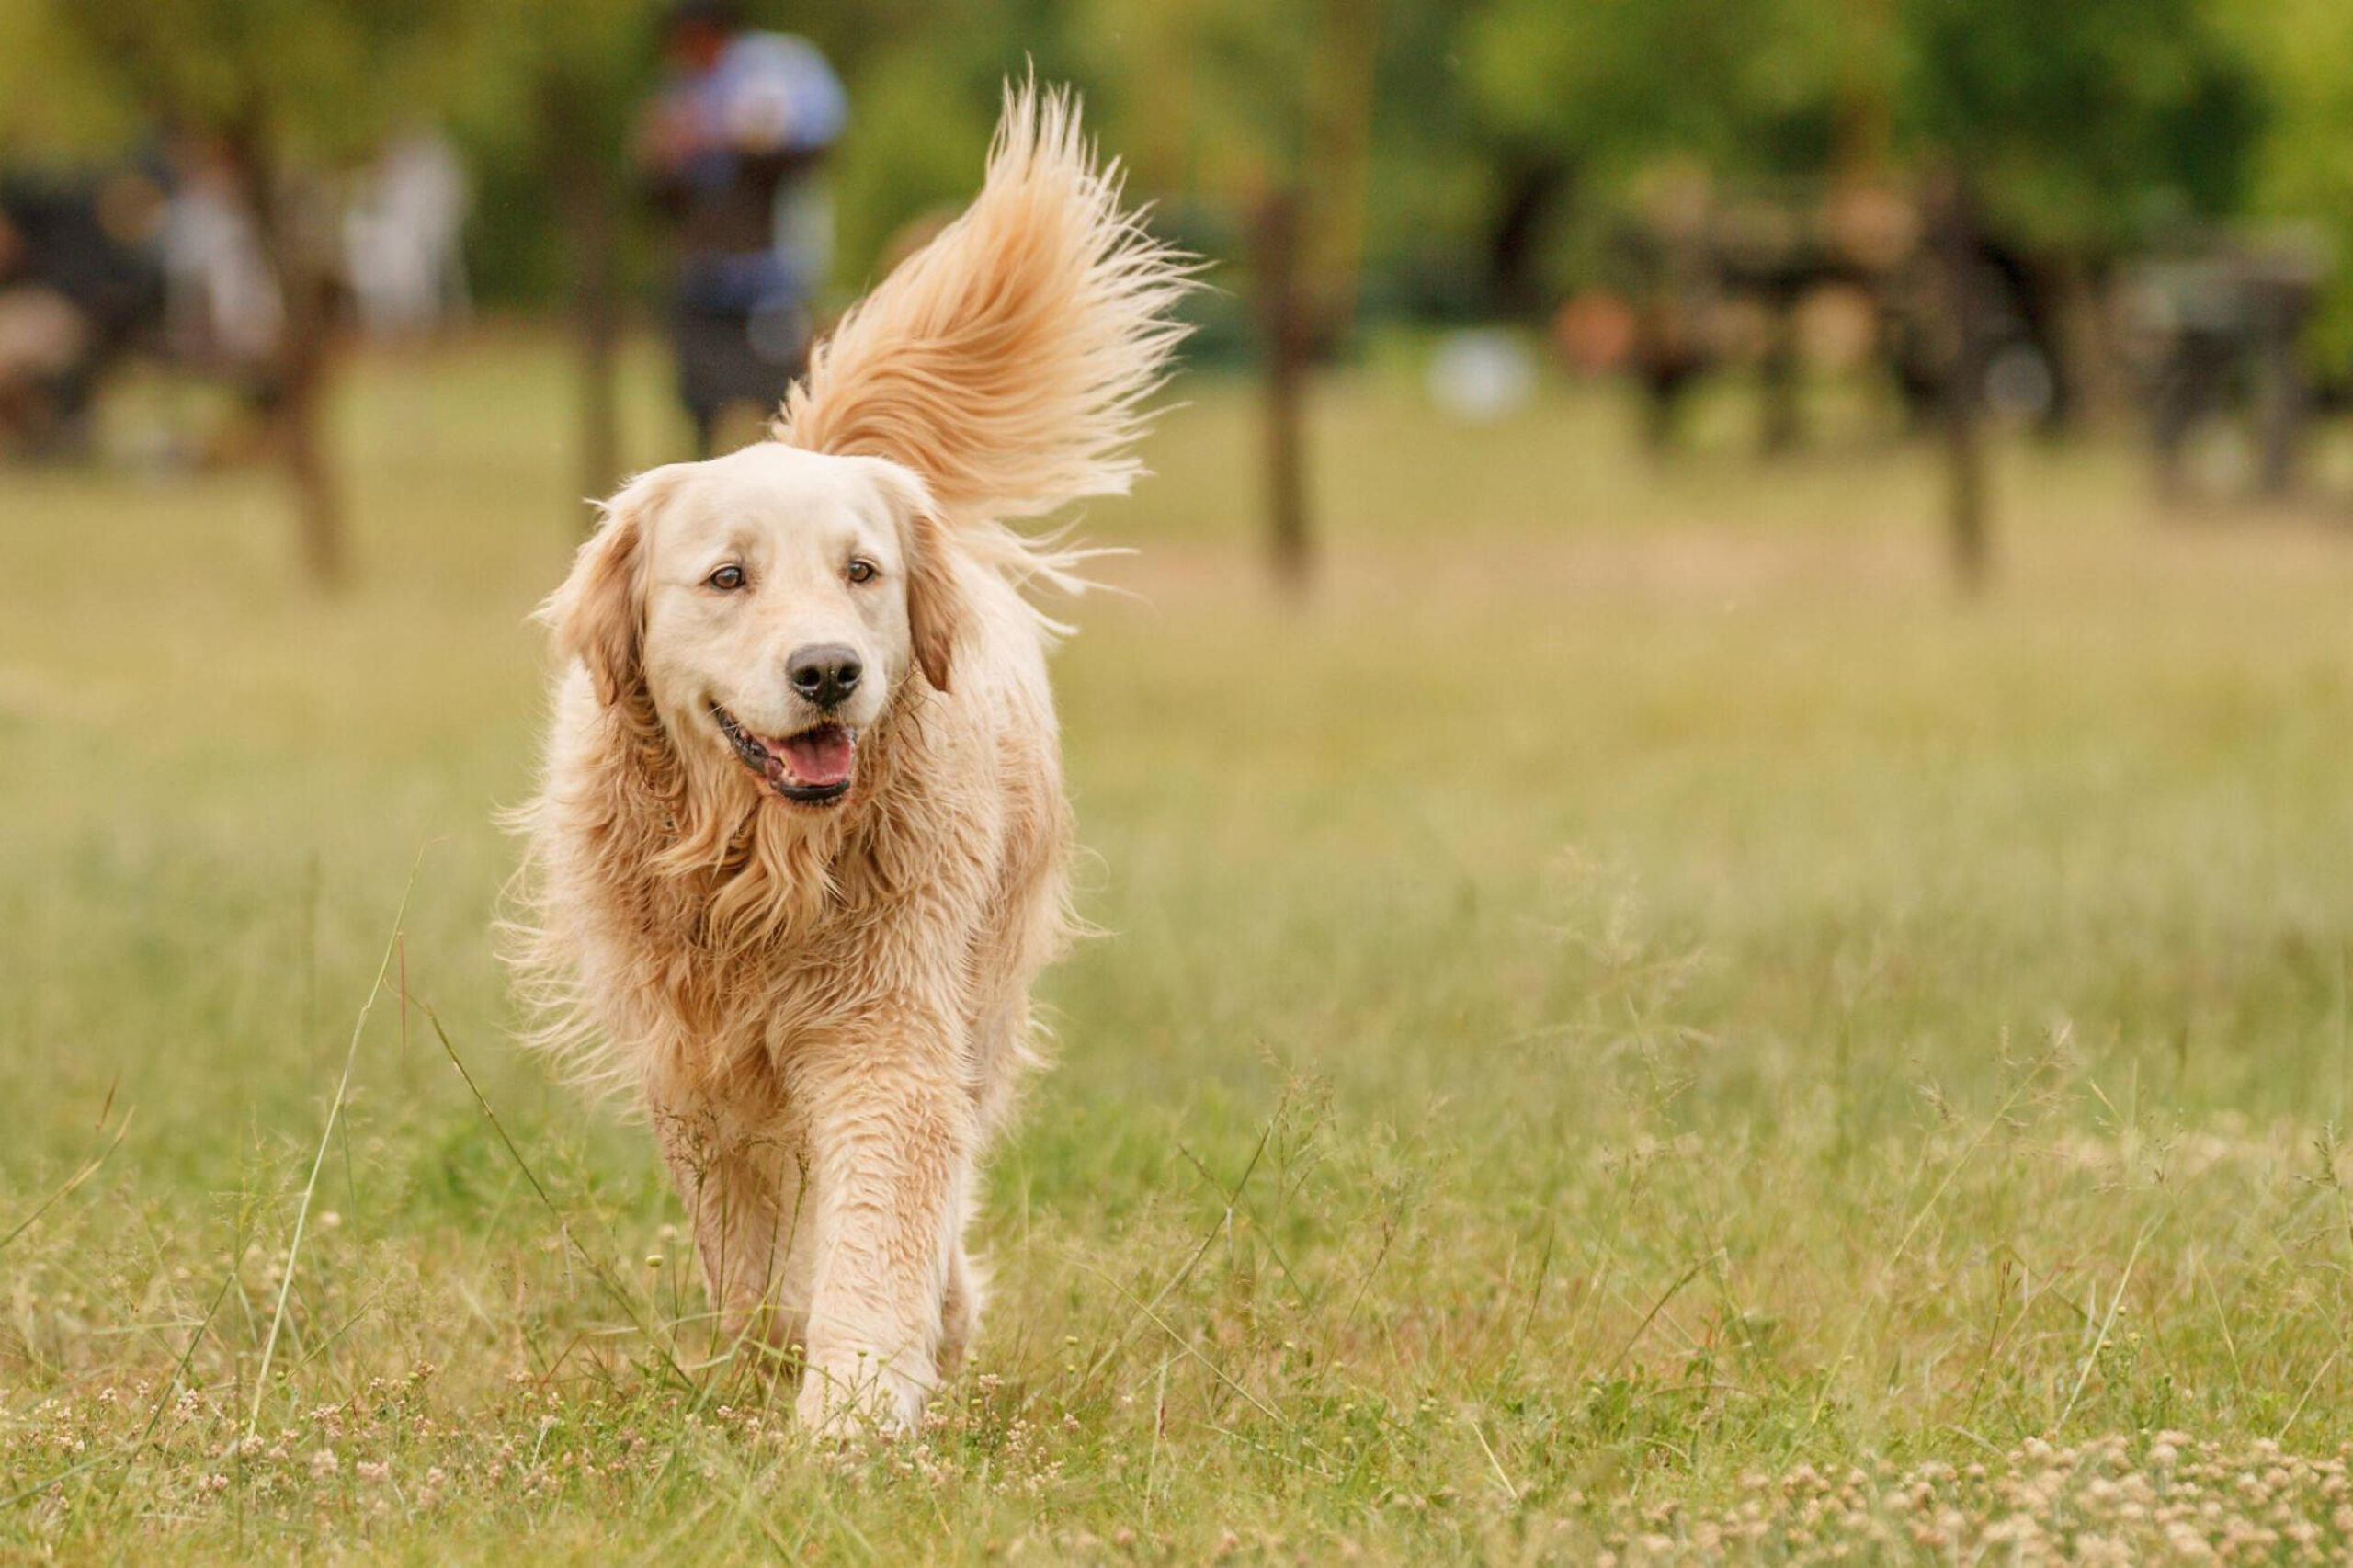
{"x": 599, "y": 615}
{"x": 935, "y": 612}
{"x": 935, "y": 602}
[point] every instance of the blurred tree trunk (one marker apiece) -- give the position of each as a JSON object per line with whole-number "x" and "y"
{"x": 1780, "y": 379}
{"x": 1534, "y": 184}
{"x": 2281, "y": 395}
{"x": 1952, "y": 208}
{"x": 1287, "y": 335}
{"x": 583, "y": 172}
{"x": 1307, "y": 244}
{"x": 291, "y": 218}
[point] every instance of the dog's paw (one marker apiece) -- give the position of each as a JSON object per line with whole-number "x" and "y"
{"x": 856, "y": 1393}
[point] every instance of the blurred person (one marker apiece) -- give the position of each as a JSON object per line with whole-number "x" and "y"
{"x": 403, "y": 236}
{"x": 80, "y": 290}
{"x": 224, "y": 311}
{"x": 730, "y": 145}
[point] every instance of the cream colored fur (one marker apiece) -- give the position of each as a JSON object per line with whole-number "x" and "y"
{"x": 825, "y": 1009}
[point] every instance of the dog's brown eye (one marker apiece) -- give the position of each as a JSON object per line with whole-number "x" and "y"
{"x": 859, "y": 570}
{"x": 727, "y": 578}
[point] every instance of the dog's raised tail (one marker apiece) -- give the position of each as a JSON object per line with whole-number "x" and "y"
{"x": 1008, "y": 361}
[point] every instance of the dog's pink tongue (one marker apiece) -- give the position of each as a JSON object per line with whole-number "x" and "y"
{"x": 822, "y": 756}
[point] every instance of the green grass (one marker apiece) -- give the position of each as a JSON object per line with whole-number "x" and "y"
{"x": 1634, "y": 987}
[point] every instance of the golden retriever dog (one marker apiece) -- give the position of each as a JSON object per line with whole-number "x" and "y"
{"x": 798, "y": 848}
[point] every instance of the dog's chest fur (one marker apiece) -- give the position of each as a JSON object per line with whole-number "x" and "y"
{"x": 809, "y": 922}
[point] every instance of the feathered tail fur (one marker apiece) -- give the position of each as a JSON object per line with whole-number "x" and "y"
{"x": 1008, "y": 360}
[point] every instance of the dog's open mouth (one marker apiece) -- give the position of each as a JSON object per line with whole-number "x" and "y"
{"x": 813, "y": 767}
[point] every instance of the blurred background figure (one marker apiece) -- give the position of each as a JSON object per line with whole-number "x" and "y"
{"x": 403, "y": 238}
{"x": 79, "y": 285}
{"x": 223, "y": 310}
{"x": 730, "y": 145}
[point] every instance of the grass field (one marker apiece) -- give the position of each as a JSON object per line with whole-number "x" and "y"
{"x": 1633, "y": 1022}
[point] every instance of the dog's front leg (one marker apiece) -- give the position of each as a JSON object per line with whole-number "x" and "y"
{"x": 742, "y": 1196}
{"x": 892, "y": 1136}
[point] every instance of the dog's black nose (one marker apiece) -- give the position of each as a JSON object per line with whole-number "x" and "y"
{"x": 825, "y": 675}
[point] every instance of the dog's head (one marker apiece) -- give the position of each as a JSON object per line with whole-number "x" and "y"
{"x": 772, "y": 604}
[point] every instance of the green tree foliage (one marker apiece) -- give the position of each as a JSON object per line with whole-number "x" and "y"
{"x": 919, "y": 128}
{"x": 1741, "y": 85}
{"x": 540, "y": 85}
{"x": 323, "y": 79}
{"x": 55, "y": 102}
{"x": 2086, "y": 124}
{"x": 2302, "y": 174}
